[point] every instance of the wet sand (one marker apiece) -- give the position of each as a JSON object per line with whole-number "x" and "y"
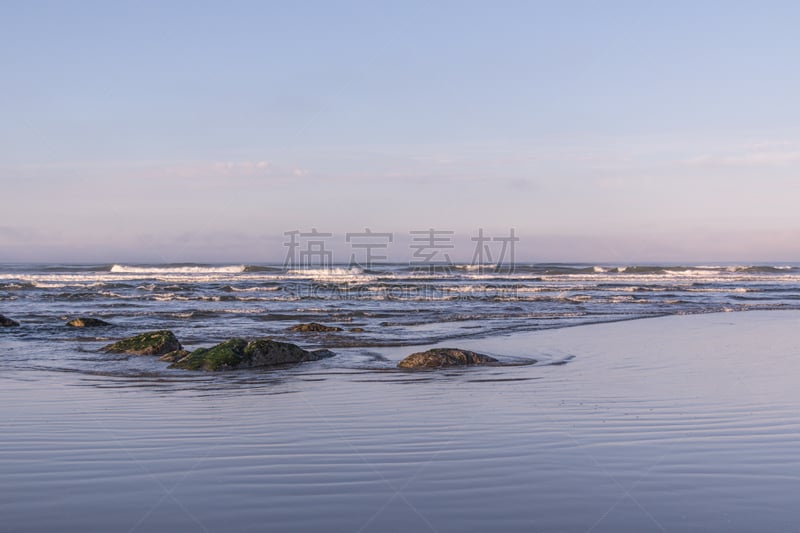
{"x": 684, "y": 423}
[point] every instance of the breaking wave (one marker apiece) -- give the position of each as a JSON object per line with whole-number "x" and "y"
{"x": 182, "y": 269}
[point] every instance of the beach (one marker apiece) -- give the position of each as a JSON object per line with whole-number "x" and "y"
{"x": 678, "y": 423}
{"x": 444, "y": 267}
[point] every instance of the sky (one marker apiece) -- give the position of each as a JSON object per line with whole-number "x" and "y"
{"x": 203, "y": 131}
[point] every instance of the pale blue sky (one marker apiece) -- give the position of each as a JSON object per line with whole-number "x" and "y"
{"x": 601, "y": 131}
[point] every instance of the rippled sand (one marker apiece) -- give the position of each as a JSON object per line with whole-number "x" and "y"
{"x": 685, "y": 423}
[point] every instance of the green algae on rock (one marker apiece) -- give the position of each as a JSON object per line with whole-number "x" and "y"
{"x": 444, "y": 357}
{"x": 224, "y": 355}
{"x": 150, "y": 343}
{"x": 238, "y": 353}
{"x": 84, "y": 322}
{"x": 313, "y": 327}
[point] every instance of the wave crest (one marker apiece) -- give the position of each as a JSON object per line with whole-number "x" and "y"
{"x": 198, "y": 269}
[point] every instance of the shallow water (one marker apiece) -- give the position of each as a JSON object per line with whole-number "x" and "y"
{"x": 684, "y": 423}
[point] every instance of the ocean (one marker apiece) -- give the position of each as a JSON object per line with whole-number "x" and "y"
{"x": 685, "y": 421}
{"x": 393, "y": 304}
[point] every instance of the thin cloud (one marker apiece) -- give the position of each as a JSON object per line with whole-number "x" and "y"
{"x": 765, "y": 154}
{"x": 24, "y": 235}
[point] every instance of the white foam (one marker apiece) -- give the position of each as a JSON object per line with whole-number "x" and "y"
{"x": 310, "y": 272}
{"x": 256, "y": 289}
{"x": 537, "y": 289}
{"x": 112, "y": 294}
{"x": 172, "y": 297}
{"x": 471, "y": 268}
{"x": 625, "y": 299}
{"x": 695, "y": 272}
{"x": 468, "y": 288}
{"x": 125, "y": 269}
{"x": 339, "y": 275}
{"x": 43, "y": 285}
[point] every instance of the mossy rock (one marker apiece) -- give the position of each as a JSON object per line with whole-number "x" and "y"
{"x": 445, "y": 357}
{"x": 313, "y": 327}
{"x": 357, "y": 330}
{"x": 84, "y": 322}
{"x": 174, "y": 357}
{"x": 227, "y": 354}
{"x": 6, "y": 322}
{"x": 151, "y": 343}
{"x": 238, "y": 353}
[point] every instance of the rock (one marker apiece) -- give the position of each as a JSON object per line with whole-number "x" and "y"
{"x": 151, "y": 343}
{"x": 174, "y": 357}
{"x": 443, "y": 357}
{"x": 7, "y": 322}
{"x": 87, "y": 323}
{"x": 238, "y": 353}
{"x": 357, "y": 330}
{"x": 313, "y": 327}
{"x": 322, "y": 354}
{"x": 227, "y": 354}
{"x": 266, "y": 352}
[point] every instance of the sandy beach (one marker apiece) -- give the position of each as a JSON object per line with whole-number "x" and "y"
{"x": 682, "y": 423}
